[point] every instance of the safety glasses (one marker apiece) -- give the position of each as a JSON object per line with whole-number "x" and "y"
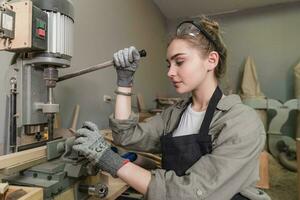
{"x": 193, "y": 29}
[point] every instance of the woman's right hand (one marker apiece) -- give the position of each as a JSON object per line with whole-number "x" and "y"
{"x": 126, "y": 63}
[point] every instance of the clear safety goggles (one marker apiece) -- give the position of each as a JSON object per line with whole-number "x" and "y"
{"x": 193, "y": 29}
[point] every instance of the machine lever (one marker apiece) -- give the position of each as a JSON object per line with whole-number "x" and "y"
{"x": 106, "y": 64}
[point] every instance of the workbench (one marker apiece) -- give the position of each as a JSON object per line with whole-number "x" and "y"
{"x": 19, "y": 161}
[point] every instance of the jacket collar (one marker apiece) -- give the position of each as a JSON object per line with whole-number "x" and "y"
{"x": 224, "y": 104}
{"x": 228, "y": 101}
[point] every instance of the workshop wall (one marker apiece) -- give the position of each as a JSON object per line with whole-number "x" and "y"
{"x": 101, "y": 28}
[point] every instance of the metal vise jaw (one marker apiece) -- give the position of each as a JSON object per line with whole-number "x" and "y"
{"x": 76, "y": 165}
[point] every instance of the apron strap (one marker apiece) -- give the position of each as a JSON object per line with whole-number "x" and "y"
{"x": 217, "y": 95}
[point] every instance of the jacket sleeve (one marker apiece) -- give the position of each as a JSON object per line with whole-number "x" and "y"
{"x": 231, "y": 167}
{"x": 143, "y": 136}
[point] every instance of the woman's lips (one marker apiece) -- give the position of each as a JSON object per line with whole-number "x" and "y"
{"x": 176, "y": 83}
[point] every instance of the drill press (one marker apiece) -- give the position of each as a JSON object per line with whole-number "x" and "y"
{"x": 40, "y": 33}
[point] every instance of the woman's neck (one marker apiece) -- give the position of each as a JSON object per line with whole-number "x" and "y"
{"x": 202, "y": 94}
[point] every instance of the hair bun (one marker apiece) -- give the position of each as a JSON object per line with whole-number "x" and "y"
{"x": 210, "y": 25}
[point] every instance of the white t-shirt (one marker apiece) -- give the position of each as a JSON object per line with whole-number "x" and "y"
{"x": 190, "y": 122}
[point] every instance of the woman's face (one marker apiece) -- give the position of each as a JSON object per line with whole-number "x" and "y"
{"x": 187, "y": 68}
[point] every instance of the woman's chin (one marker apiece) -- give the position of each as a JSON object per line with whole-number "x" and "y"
{"x": 181, "y": 90}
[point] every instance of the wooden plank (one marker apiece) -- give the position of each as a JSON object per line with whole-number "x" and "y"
{"x": 32, "y": 193}
{"x": 21, "y": 166}
{"x": 11, "y": 160}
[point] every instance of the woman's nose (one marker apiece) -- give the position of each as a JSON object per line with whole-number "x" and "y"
{"x": 171, "y": 72}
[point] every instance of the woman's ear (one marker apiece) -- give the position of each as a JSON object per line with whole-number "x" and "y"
{"x": 213, "y": 60}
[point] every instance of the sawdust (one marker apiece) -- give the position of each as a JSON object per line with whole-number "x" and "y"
{"x": 283, "y": 183}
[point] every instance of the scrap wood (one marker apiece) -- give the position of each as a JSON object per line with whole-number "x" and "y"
{"x": 167, "y": 100}
{"x": 263, "y": 183}
{"x": 57, "y": 120}
{"x": 3, "y": 187}
{"x": 75, "y": 117}
{"x": 140, "y": 103}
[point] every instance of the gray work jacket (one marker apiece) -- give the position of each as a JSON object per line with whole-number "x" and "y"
{"x": 233, "y": 166}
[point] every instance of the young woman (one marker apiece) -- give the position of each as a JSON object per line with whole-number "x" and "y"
{"x": 210, "y": 143}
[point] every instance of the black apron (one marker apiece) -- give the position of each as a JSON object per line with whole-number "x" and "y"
{"x": 180, "y": 153}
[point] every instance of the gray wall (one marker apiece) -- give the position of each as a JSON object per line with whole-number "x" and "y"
{"x": 270, "y": 36}
{"x": 101, "y": 28}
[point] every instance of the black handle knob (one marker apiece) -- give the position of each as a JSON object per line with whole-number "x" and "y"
{"x": 143, "y": 53}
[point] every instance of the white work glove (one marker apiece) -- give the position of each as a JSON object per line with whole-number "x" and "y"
{"x": 126, "y": 63}
{"x": 92, "y": 145}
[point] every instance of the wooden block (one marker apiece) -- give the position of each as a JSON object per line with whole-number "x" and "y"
{"x": 32, "y": 193}
{"x": 13, "y": 159}
{"x": 3, "y": 187}
{"x": 263, "y": 171}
